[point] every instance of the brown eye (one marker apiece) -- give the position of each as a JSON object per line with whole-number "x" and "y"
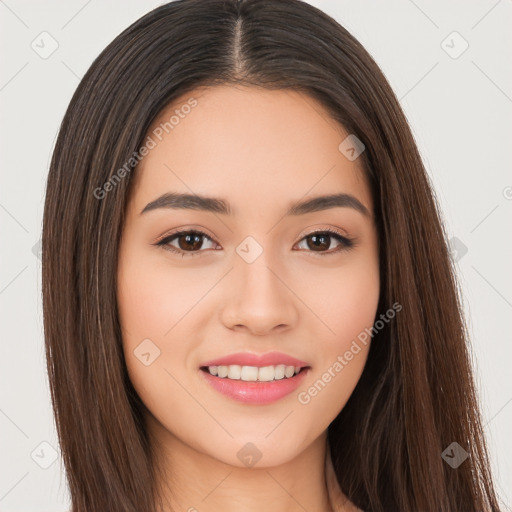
{"x": 321, "y": 241}
{"x": 189, "y": 243}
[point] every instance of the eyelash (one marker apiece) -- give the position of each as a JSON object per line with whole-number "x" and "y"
{"x": 346, "y": 243}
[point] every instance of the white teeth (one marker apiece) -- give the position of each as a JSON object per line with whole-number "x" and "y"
{"x": 234, "y": 372}
{"x": 289, "y": 371}
{"x": 254, "y": 373}
{"x": 279, "y": 372}
{"x": 266, "y": 373}
{"x": 222, "y": 371}
{"x": 249, "y": 373}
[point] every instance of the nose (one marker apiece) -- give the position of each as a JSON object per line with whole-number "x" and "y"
{"x": 259, "y": 299}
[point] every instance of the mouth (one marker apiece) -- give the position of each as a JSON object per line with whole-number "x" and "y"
{"x": 255, "y": 379}
{"x": 247, "y": 366}
{"x": 254, "y": 373}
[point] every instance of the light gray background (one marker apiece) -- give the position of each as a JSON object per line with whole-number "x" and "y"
{"x": 460, "y": 112}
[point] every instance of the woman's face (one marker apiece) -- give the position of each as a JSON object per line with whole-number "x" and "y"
{"x": 263, "y": 283}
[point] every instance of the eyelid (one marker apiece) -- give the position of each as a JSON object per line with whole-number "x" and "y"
{"x": 203, "y": 231}
{"x": 347, "y": 242}
{"x": 324, "y": 229}
{"x": 186, "y": 229}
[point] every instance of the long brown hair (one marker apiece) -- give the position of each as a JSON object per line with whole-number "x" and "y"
{"x": 416, "y": 395}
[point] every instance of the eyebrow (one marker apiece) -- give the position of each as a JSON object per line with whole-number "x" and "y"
{"x": 217, "y": 205}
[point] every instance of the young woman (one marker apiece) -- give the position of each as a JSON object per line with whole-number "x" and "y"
{"x": 249, "y": 302}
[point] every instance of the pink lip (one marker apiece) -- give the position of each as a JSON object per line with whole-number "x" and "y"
{"x": 248, "y": 359}
{"x": 255, "y": 392}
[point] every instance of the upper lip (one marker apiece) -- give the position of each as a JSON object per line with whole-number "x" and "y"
{"x": 260, "y": 360}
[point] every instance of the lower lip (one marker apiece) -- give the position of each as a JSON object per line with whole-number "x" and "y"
{"x": 255, "y": 392}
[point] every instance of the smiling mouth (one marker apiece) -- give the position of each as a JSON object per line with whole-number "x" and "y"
{"x": 254, "y": 373}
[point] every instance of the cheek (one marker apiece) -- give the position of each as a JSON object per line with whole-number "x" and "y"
{"x": 347, "y": 305}
{"x": 158, "y": 307}
{"x": 353, "y": 305}
{"x": 343, "y": 301}
{"x": 154, "y": 296}
{"x": 152, "y": 300}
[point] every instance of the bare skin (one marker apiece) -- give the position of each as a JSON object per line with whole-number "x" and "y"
{"x": 259, "y": 151}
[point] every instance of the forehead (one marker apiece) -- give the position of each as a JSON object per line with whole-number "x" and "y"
{"x": 248, "y": 143}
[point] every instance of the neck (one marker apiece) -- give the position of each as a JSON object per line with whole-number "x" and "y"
{"x": 191, "y": 480}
